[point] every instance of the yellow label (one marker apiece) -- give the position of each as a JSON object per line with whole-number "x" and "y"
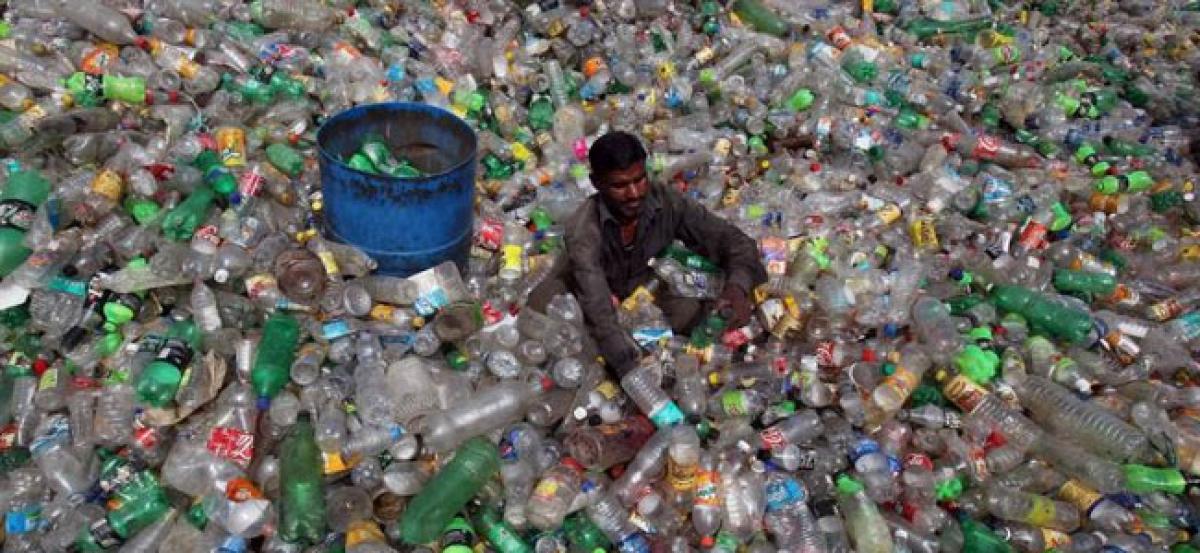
{"x": 546, "y": 488}
{"x": 382, "y": 312}
{"x": 1041, "y": 511}
{"x": 327, "y": 260}
{"x": 108, "y": 184}
{"x": 231, "y": 145}
{"x": 608, "y": 389}
{"x": 362, "y": 531}
{"x": 512, "y": 256}
{"x": 924, "y": 235}
{"x": 334, "y": 463}
{"x": 888, "y": 214}
{"x": 1055, "y": 539}
{"x": 187, "y": 68}
{"x": 49, "y": 380}
{"x": 444, "y": 86}
{"x": 681, "y": 477}
{"x": 963, "y": 393}
{"x": 520, "y": 152}
{"x": 903, "y": 382}
{"x": 1079, "y": 495}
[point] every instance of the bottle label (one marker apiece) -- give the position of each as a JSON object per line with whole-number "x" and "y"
{"x": 49, "y": 379}
{"x": 902, "y": 382}
{"x": 986, "y": 147}
{"x": 1078, "y": 495}
{"x": 490, "y": 235}
{"x": 706, "y": 488}
{"x": 681, "y": 477}
{"x": 783, "y": 494}
{"x": 232, "y": 444}
{"x": 963, "y": 393}
{"x": 175, "y": 352}
{"x": 1166, "y": 310}
{"x": 512, "y": 257}
{"x": 546, "y": 489}
{"x": 17, "y": 214}
{"x": 1041, "y": 511}
{"x": 924, "y": 235}
{"x": 1055, "y": 539}
{"x": 824, "y": 352}
{"x": 108, "y": 184}
{"x": 667, "y": 415}
{"x": 863, "y": 448}
{"x": 734, "y": 403}
{"x": 772, "y": 438}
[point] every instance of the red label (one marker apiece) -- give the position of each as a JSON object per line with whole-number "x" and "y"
{"x": 772, "y": 438}
{"x": 8, "y": 436}
{"x": 918, "y": 460}
{"x": 491, "y": 315}
{"x": 825, "y": 353}
{"x": 250, "y": 183}
{"x": 232, "y": 444}
{"x": 491, "y": 235}
{"x": 986, "y": 147}
{"x": 209, "y": 233}
{"x": 145, "y": 437}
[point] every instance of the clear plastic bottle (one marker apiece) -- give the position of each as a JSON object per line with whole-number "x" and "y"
{"x": 639, "y": 384}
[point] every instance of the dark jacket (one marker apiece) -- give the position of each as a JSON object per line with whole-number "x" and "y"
{"x": 601, "y": 267}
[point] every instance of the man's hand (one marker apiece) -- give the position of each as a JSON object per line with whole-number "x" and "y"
{"x": 735, "y": 306}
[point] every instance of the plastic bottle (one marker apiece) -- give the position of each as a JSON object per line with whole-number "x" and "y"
{"x": 473, "y": 465}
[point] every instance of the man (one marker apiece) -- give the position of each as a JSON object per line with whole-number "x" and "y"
{"x": 610, "y": 238}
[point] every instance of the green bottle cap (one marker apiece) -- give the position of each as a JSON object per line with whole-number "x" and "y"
{"x": 117, "y": 313}
{"x": 977, "y": 364}
{"x": 847, "y": 485}
{"x": 1062, "y": 217}
{"x": 708, "y": 76}
{"x": 1069, "y": 105}
{"x": 949, "y": 489}
{"x": 1108, "y": 185}
{"x": 5, "y": 29}
{"x": 1100, "y": 168}
{"x": 980, "y": 333}
{"x": 1139, "y": 180}
{"x": 800, "y": 100}
{"x": 887, "y": 369}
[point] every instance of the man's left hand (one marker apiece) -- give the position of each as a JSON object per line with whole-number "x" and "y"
{"x": 735, "y": 306}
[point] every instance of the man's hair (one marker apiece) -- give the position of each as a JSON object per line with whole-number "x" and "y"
{"x": 615, "y": 151}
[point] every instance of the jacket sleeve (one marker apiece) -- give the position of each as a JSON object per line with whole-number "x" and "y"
{"x": 583, "y": 245}
{"x": 715, "y": 238}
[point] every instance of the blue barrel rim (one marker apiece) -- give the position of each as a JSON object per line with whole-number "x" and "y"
{"x": 406, "y": 106}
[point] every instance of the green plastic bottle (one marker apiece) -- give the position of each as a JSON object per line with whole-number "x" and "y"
{"x": 1066, "y": 280}
{"x": 160, "y": 380}
{"x": 1136, "y": 181}
{"x": 215, "y": 173}
{"x": 473, "y": 465}
{"x": 1144, "y": 479}
{"x": 689, "y": 258}
{"x": 141, "y": 502}
{"x": 760, "y": 18}
{"x": 583, "y": 535}
{"x": 302, "y": 499}
{"x": 541, "y": 114}
{"x": 274, "y": 357}
{"x": 501, "y": 536}
{"x": 458, "y": 536}
{"x": 182, "y": 221}
{"x": 977, "y": 538}
{"x": 927, "y": 28}
{"x": 286, "y": 159}
{"x": 1049, "y": 316}
{"x": 23, "y": 194}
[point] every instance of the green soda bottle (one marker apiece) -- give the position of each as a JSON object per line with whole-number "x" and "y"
{"x": 160, "y": 380}
{"x": 458, "y": 536}
{"x": 541, "y": 114}
{"x": 927, "y": 28}
{"x": 215, "y": 173}
{"x": 759, "y": 17}
{"x": 689, "y": 258}
{"x": 501, "y": 536}
{"x": 977, "y": 538}
{"x": 302, "y": 499}
{"x": 24, "y": 192}
{"x": 583, "y": 535}
{"x": 1066, "y": 280}
{"x": 286, "y": 159}
{"x": 274, "y": 357}
{"x": 445, "y": 495}
{"x": 1136, "y": 181}
{"x": 182, "y": 221}
{"x": 141, "y": 502}
{"x": 1141, "y": 479}
{"x": 1041, "y": 312}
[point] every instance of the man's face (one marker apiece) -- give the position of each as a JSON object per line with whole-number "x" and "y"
{"x": 623, "y": 191}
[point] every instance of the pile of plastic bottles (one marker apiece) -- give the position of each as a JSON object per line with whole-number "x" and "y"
{"x": 979, "y": 334}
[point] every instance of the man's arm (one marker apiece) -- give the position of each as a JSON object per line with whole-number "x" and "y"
{"x": 583, "y": 245}
{"x": 717, "y": 239}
